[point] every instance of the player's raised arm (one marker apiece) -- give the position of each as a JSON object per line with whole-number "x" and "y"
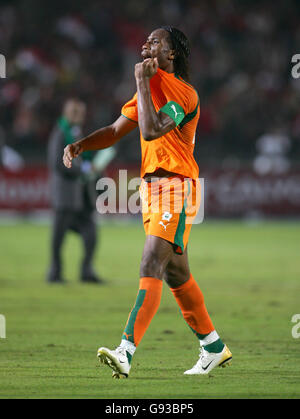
{"x": 152, "y": 124}
{"x": 99, "y": 140}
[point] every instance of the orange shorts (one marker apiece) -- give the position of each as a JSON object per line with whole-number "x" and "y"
{"x": 170, "y": 206}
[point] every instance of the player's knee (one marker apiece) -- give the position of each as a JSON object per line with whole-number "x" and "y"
{"x": 176, "y": 277}
{"x": 152, "y": 266}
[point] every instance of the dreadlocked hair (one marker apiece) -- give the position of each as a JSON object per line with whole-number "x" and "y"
{"x": 181, "y": 45}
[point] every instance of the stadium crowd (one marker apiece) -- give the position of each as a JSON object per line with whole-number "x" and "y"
{"x": 240, "y": 64}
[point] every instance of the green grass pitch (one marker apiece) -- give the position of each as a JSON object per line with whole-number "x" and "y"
{"x": 250, "y": 276}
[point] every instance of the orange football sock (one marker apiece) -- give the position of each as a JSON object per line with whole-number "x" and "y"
{"x": 146, "y": 306}
{"x": 190, "y": 299}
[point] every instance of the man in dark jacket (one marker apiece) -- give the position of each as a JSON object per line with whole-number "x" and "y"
{"x": 73, "y": 194}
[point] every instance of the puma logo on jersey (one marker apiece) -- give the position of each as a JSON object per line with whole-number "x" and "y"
{"x": 166, "y": 217}
{"x": 164, "y": 225}
{"x": 175, "y": 111}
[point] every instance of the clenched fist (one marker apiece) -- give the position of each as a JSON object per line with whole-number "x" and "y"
{"x": 147, "y": 68}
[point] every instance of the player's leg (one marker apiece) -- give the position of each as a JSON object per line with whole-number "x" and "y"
{"x": 164, "y": 228}
{"x": 190, "y": 299}
{"x": 156, "y": 256}
{"x": 61, "y": 223}
{"x": 188, "y": 295}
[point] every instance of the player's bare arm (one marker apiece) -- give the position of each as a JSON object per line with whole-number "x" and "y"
{"x": 152, "y": 124}
{"x": 99, "y": 140}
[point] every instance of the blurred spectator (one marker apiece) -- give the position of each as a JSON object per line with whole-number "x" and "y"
{"x": 72, "y": 194}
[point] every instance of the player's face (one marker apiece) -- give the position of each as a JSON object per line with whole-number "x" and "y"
{"x": 157, "y": 46}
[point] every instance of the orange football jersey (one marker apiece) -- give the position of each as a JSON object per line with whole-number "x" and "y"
{"x": 173, "y": 151}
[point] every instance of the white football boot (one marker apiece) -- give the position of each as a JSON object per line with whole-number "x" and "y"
{"x": 209, "y": 361}
{"x": 117, "y": 360}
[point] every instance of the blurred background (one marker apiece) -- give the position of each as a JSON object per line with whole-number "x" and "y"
{"x": 248, "y": 138}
